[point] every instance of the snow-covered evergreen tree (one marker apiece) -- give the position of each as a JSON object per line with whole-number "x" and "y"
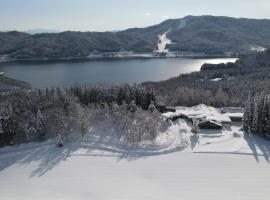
{"x": 40, "y": 125}
{"x": 8, "y": 125}
{"x": 266, "y": 116}
{"x": 195, "y": 127}
{"x": 248, "y": 114}
{"x": 257, "y": 115}
{"x": 255, "y": 118}
{"x": 132, "y": 106}
{"x": 152, "y": 107}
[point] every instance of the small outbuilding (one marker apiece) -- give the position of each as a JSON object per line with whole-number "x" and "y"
{"x": 236, "y": 114}
{"x": 235, "y": 117}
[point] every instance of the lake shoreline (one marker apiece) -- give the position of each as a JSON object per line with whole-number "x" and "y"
{"x": 111, "y": 57}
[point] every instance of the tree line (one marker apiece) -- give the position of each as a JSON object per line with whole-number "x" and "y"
{"x": 38, "y": 115}
{"x": 250, "y": 74}
{"x": 257, "y": 115}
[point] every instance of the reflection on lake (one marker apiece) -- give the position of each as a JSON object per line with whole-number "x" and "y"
{"x": 46, "y": 74}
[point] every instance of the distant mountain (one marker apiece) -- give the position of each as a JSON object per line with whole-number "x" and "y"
{"x": 219, "y": 34}
{"x": 41, "y": 30}
{"x": 200, "y": 34}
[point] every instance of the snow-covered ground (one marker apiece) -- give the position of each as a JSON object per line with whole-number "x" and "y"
{"x": 222, "y": 164}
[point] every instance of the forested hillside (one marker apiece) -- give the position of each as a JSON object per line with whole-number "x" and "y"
{"x": 193, "y": 34}
{"x": 218, "y": 85}
{"x": 6, "y": 82}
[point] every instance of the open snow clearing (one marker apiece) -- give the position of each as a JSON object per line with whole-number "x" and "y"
{"x": 211, "y": 165}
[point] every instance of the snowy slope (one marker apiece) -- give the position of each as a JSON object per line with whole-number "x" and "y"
{"x": 213, "y": 165}
{"x": 77, "y": 173}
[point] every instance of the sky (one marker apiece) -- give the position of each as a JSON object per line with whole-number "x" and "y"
{"x": 110, "y": 15}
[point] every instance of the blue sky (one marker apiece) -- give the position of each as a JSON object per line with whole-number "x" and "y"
{"x": 101, "y": 15}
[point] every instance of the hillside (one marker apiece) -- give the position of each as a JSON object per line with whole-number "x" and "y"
{"x": 219, "y": 34}
{"x": 217, "y": 85}
{"x": 7, "y": 83}
{"x": 200, "y": 34}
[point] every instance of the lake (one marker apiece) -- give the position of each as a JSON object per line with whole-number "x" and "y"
{"x": 108, "y": 71}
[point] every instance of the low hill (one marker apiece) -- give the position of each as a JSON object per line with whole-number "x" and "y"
{"x": 7, "y": 83}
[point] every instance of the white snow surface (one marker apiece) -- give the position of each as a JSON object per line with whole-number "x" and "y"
{"x": 216, "y": 164}
{"x": 162, "y": 43}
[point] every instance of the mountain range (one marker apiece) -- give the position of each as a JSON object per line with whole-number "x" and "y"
{"x": 41, "y": 30}
{"x": 210, "y": 35}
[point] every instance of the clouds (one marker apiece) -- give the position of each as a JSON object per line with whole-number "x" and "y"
{"x": 147, "y": 14}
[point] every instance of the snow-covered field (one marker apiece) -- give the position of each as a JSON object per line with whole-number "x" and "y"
{"x": 213, "y": 165}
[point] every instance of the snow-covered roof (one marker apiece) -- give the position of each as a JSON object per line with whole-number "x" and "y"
{"x": 199, "y": 112}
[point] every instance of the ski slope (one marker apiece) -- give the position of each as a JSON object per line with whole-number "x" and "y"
{"x": 178, "y": 165}
{"x": 163, "y": 42}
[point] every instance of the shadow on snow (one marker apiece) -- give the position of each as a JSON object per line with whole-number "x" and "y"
{"x": 256, "y": 142}
{"x": 45, "y": 156}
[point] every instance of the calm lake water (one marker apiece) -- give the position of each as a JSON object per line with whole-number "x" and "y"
{"x": 47, "y": 74}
